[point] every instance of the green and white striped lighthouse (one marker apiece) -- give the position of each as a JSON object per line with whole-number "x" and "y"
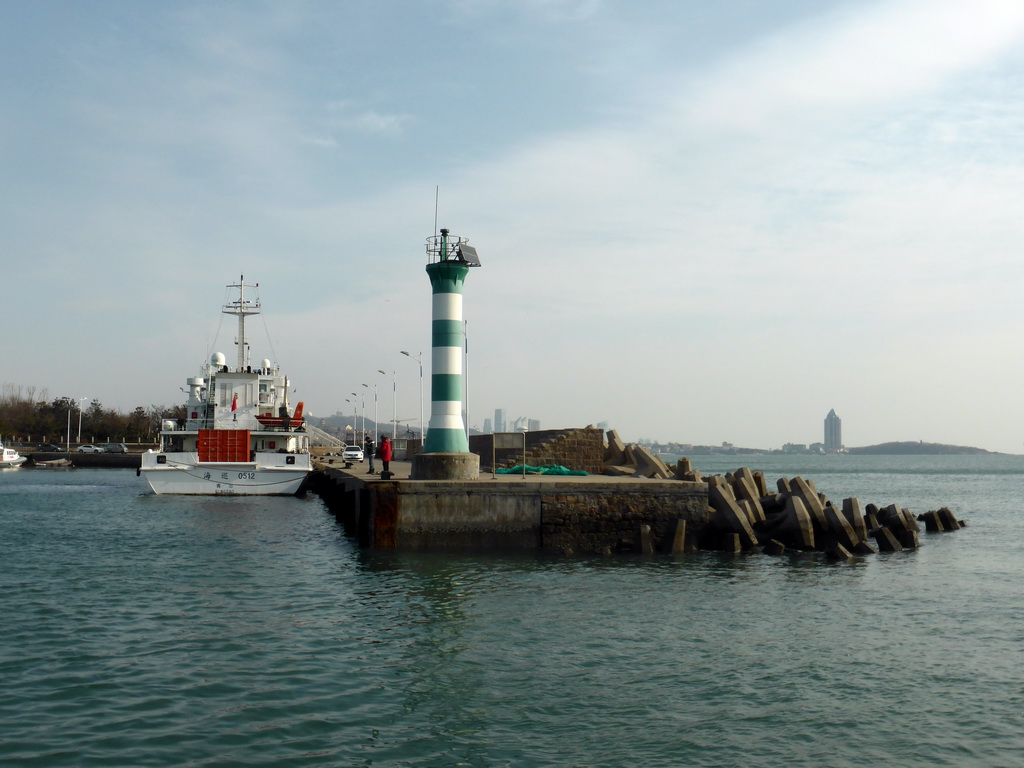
{"x": 445, "y": 453}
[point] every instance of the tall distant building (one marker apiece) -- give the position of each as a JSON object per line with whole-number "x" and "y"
{"x": 499, "y": 419}
{"x": 833, "y": 431}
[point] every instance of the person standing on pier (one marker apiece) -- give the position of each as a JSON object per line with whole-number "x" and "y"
{"x": 385, "y": 454}
{"x": 368, "y": 451}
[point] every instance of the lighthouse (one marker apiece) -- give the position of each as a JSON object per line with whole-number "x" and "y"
{"x": 445, "y": 454}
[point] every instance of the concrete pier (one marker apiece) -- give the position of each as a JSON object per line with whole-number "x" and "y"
{"x": 582, "y": 514}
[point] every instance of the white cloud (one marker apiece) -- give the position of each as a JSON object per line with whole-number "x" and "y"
{"x": 347, "y": 116}
{"x": 546, "y": 10}
{"x": 866, "y": 55}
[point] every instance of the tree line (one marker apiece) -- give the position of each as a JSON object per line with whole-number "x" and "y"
{"x": 29, "y": 415}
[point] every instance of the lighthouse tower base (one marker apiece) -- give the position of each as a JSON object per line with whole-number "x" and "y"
{"x": 445, "y": 466}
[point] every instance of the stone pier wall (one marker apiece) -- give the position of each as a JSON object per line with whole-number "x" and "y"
{"x": 610, "y": 518}
{"x": 584, "y": 517}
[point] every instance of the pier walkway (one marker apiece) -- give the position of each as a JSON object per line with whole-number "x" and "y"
{"x": 402, "y": 471}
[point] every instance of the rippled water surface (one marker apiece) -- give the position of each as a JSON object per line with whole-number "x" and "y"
{"x": 159, "y": 631}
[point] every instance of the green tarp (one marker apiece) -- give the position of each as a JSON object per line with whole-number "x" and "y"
{"x": 554, "y": 469}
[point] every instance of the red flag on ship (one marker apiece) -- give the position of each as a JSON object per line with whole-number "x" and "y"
{"x": 234, "y": 403}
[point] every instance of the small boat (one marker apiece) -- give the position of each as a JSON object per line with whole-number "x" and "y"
{"x": 10, "y": 458}
{"x": 51, "y": 463}
{"x": 239, "y": 436}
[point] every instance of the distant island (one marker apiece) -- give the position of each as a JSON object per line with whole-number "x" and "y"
{"x": 914, "y": 448}
{"x": 906, "y": 448}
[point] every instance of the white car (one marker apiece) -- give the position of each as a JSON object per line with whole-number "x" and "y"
{"x": 352, "y": 453}
{"x": 89, "y": 449}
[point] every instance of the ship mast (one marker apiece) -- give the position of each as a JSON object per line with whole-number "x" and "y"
{"x": 241, "y": 308}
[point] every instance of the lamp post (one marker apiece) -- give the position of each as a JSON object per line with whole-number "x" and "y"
{"x": 363, "y": 427}
{"x": 68, "y": 444}
{"x": 394, "y": 403}
{"x": 374, "y": 388}
{"x": 348, "y": 427}
{"x": 80, "y": 401}
{"x": 418, "y": 357}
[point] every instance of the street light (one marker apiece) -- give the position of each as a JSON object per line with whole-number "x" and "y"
{"x": 363, "y": 402}
{"x": 418, "y": 357}
{"x": 349, "y": 436}
{"x": 374, "y": 388}
{"x": 394, "y": 403}
{"x": 80, "y": 401}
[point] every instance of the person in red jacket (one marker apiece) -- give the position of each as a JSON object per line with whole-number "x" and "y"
{"x": 385, "y": 453}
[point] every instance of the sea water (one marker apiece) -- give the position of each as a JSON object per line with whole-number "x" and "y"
{"x": 142, "y": 630}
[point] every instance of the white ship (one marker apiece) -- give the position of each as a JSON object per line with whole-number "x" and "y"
{"x": 10, "y": 458}
{"x": 239, "y": 436}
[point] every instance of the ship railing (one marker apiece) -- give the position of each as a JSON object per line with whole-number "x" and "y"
{"x": 191, "y": 425}
{"x": 248, "y": 422}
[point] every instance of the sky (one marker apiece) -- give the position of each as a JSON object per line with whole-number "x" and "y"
{"x": 697, "y": 222}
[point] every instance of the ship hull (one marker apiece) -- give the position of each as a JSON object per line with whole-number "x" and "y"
{"x": 226, "y": 479}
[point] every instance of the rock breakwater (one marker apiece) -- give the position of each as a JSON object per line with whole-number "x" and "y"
{"x": 746, "y": 516}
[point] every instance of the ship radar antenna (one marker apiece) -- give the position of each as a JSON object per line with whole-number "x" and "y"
{"x": 242, "y": 308}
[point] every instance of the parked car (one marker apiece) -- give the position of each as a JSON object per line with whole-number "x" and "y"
{"x": 115, "y": 448}
{"x": 90, "y": 449}
{"x": 352, "y": 453}
{"x": 50, "y": 448}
